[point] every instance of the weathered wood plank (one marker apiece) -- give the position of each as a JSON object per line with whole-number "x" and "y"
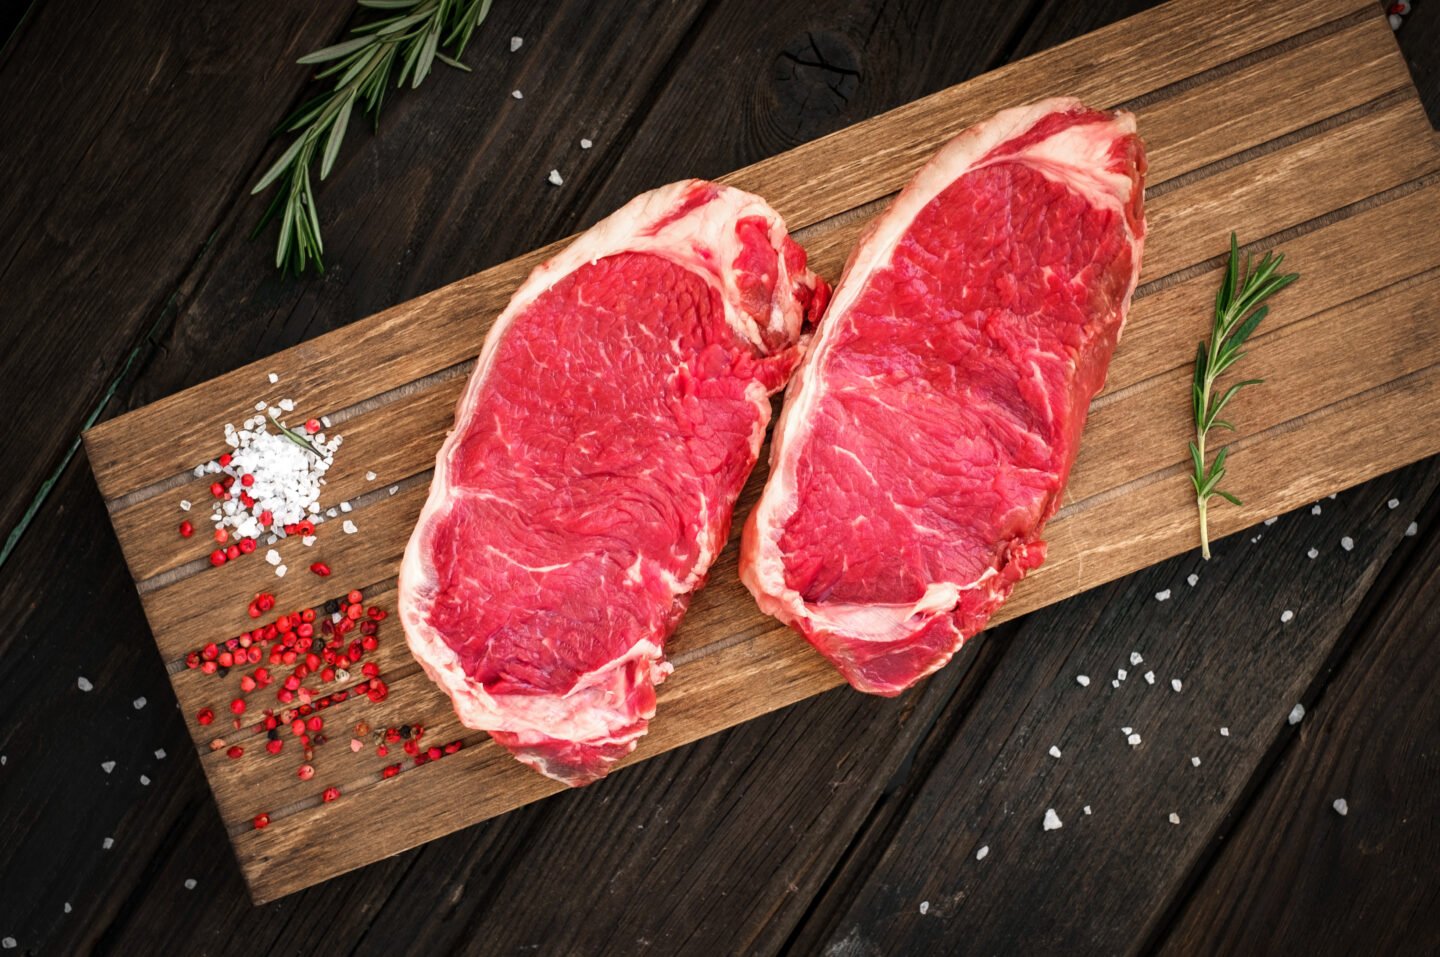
{"x": 1296, "y": 875}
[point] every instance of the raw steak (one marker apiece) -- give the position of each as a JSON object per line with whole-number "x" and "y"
{"x": 616, "y": 410}
{"x": 927, "y": 437}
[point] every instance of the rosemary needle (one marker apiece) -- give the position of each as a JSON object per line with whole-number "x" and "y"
{"x": 1239, "y": 309}
{"x": 410, "y": 35}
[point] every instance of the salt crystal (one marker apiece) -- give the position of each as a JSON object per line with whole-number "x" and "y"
{"x": 287, "y": 404}
{"x": 108, "y": 843}
{"x": 1297, "y": 714}
{"x": 1114, "y": 683}
{"x": 1313, "y": 554}
{"x": 349, "y": 527}
{"x": 159, "y": 754}
{"x": 369, "y": 476}
{"x": 345, "y": 507}
{"x": 1052, "y": 820}
{"x": 1224, "y": 732}
{"x": 1175, "y": 684}
{"x": 199, "y": 470}
{"x": 1257, "y": 538}
{"x": 1272, "y": 521}
{"x": 107, "y": 766}
{"x": 1195, "y": 760}
{"x": 924, "y": 907}
{"x": 1162, "y": 595}
{"x": 1134, "y": 740}
{"x": 144, "y": 781}
{"x": 1083, "y": 680}
{"x": 189, "y": 883}
{"x": 1395, "y": 20}
{"x": 1126, "y": 730}
{"x": 307, "y": 540}
{"x": 1054, "y": 751}
{"x": 1174, "y": 818}
{"x": 1411, "y": 529}
{"x": 139, "y": 702}
{"x": 280, "y": 571}
{"x": 555, "y": 178}
{"x": 394, "y": 489}
{"x": 1286, "y": 616}
{"x": 1347, "y": 543}
{"x": 9, "y": 943}
{"x": 67, "y": 907}
{"x": 585, "y": 144}
{"x": 272, "y": 556}
{"x": 325, "y": 421}
{"x": 1135, "y": 658}
{"x": 1341, "y": 807}
{"x": 1149, "y": 677}
{"x": 981, "y": 854}
{"x": 184, "y": 505}
{"x": 1192, "y": 579}
{"x": 1121, "y": 674}
{"x": 517, "y": 94}
{"x": 1087, "y": 809}
{"x": 1393, "y": 503}
{"x": 273, "y": 378}
{"x": 1314, "y": 509}
{"x": 515, "y": 43}
{"x": 84, "y": 683}
{"x": 260, "y": 406}
{"x": 330, "y": 513}
{"x": 1332, "y": 495}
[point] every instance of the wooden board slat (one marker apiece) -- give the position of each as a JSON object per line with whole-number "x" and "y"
{"x": 1343, "y": 174}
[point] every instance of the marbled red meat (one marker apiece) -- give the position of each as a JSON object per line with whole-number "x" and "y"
{"x": 615, "y": 412}
{"x": 928, "y": 435}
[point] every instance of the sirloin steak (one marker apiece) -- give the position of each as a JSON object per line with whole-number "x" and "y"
{"x": 616, "y": 409}
{"x": 927, "y": 436}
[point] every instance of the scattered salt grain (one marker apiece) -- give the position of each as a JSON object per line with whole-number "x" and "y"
{"x": 369, "y": 476}
{"x": 144, "y": 781}
{"x": 1126, "y": 730}
{"x": 273, "y": 378}
{"x": 1314, "y": 509}
{"x": 1224, "y": 732}
{"x": 1174, "y": 818}
{"x": 1195, "y": 761}
{"x": 349, "y": 527}
{"x": 1054, "y": 751}
{"x": 924, "y": 908}
{"x": 260, "y": 406}
{"x": 1272, "y": 521}
{"x": 1162, "y": 595}
{"x": 325, "y": 421}
{"x": 307, "y": 540}
{"x": 1313, "y": 554}
{"x": 84, "y": 683}
{"x": 1083, "y": 680}
{"x": 1175, "y": 684}
{"x": 1341, "y": 807}
{"x": 981, "y": 854}
{"x": 393, "y": 489}
{"x": 1052, "y": 820}
{"x": 1121, "y": 674}
{"x": 1135, "y": 658}
{"x": 272, "y": 556}
{"x": 1149, "y": 677}
{"x": 139, "y": 702}
{"x": 67, "y": 907}
{"x": 1134, "y": 740}
{"x": 1286, "y": 616}
{"x": 159, "y": 754}
{"x": 515, "y": 43}
{"x": 344, "y": 507}
{"x": 1394, "y": 503}
{"x": 1257, "y": 538}
{"x": 107, "y": 766}
{"x": 1347, "y": 543}
{"x": 517, "y": 94}
{"x": 1192, "y": 579}
{"x": 108, "y": 843}
{"x": 1297, "y": 714}
{"x": 280, "y": 571}
{"x": 9, "y": 943}
{"x": 330, "y": 513}
{"x": 1411, "y": 529}
{"x": 184, "y": 505}
{"x": 1332, "y": 496}
{"x": 1114, "y": 683}
{"x": 190, "y": 883}
{"x": 1087, "y": 809}
{"x": 555, "y": 178}
{"x": 585, "y": 144}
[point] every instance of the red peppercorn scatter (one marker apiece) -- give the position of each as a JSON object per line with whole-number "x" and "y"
{"x": 205, "y": 716}
{"x": 186, "y": 529}
{"x": 261, "y": 821}
{"x": 321, "y": 569}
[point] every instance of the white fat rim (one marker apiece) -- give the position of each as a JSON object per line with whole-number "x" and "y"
{"x": 762, "y": 568}
{"x": 704, "y": 242}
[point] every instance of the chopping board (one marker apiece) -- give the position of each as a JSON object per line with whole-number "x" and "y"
{"x": 1298, "y": 129}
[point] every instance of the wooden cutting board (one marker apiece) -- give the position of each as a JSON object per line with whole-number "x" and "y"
{"x": 1299, "y": 129}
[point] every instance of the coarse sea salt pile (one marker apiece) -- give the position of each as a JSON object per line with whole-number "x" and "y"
{"x": 276, "y": 473}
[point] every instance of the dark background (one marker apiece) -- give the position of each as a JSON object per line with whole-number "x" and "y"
{"x": 132, "y": 130}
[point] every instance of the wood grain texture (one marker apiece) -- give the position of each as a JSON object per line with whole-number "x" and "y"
{"x": 1294, "y": 875}
{"x": 1342, "y": 168}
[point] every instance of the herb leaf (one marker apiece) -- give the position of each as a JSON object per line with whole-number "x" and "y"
{"x": 1238, "y": 312}
{"x": 363, "y": 66}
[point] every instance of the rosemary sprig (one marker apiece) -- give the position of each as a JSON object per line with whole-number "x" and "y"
{"x": 410, "y": 35}
{"x": 297, "y": 438}
{"x": 1238, "y": 311}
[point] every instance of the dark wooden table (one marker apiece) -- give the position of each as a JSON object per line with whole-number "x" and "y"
{"x": 845, "y": 825}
